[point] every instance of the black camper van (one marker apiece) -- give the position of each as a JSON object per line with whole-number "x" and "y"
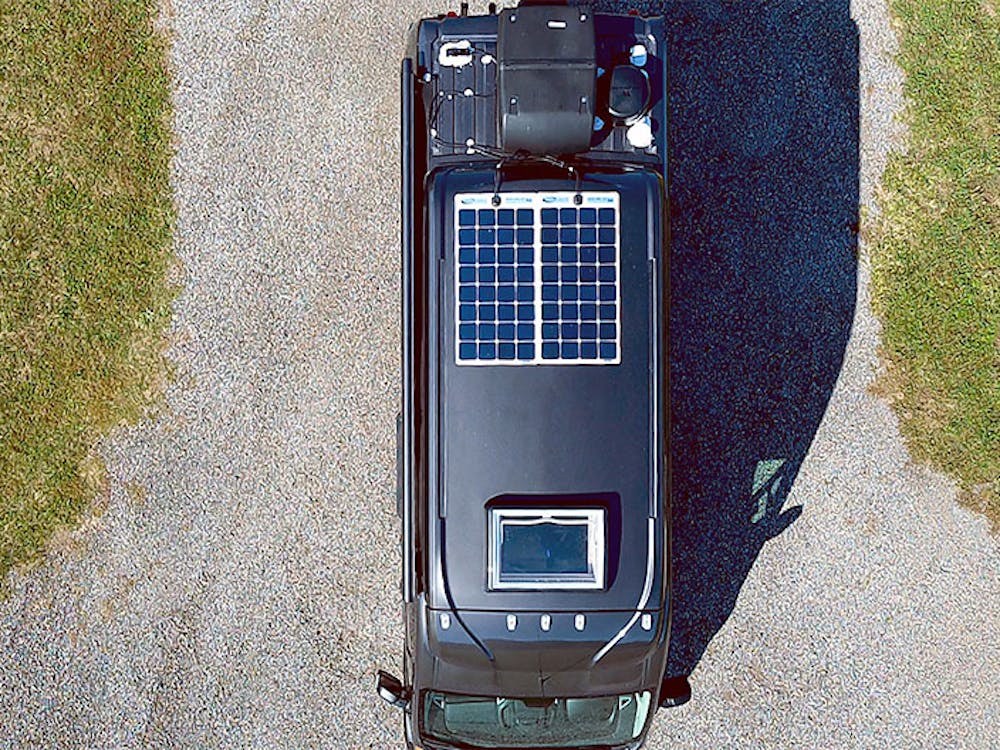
{"x": 533, "y": 484}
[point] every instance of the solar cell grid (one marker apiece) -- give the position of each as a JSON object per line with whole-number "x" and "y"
{"x": 537, "y": 283}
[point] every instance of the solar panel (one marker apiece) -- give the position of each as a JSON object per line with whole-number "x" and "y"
{"x": 536, "y": 279}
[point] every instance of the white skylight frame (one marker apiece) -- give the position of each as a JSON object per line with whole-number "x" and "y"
{"x": 592, "y": 518}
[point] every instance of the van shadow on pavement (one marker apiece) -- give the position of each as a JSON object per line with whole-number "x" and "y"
{"x": 763, "y": 146}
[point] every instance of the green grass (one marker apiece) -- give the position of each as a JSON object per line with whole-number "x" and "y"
{"x": 85, "y": 225}
{"x": 936, "y": 248}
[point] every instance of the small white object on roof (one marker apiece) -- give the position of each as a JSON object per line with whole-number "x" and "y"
{"x": 637, "y": 54}
{"x": 546, "y": 622}
{"x": 579, "y": 622}
{"x": 445, "y": 621}
{"x": 511, "y": 622}
{"x": 455, "y": 54}
{"x": 640, "y": 134}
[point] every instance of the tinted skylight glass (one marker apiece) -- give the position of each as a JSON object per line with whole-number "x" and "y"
{"x": 543, "y": 548}
{"x": 536, "y": 549}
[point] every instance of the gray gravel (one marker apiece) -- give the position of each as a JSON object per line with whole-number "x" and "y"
{"x": 239, "y": 587}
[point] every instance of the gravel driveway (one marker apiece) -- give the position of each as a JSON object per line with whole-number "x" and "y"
{"x": 239, "y": 587}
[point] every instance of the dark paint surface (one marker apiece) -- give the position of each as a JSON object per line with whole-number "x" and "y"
{"x": 551, "y": 429}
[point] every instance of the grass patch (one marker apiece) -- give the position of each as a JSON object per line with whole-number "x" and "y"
{"x": 936, "y": 248}
{"x": 85, "y": 225}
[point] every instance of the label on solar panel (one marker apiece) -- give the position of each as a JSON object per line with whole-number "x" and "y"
{"x": 536, "y": 279}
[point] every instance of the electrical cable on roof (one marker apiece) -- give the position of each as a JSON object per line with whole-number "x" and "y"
{"x": 575, "y": 165}
{"x": 451, "y": 601}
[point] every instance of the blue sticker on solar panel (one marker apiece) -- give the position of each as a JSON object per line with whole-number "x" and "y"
{"x": 543, "y": 291}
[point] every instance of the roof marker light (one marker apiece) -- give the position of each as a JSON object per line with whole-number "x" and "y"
{"x": 445, "y": 621}
{"x": 511, "y": 622}
{"x": 546, "y": 622}
{"x": 646, "y": 621}
{"x": 579, "y": 622}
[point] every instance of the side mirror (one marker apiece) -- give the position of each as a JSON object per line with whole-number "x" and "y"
{"x": 391, "y": 690}
{"x": 674, "y": 691}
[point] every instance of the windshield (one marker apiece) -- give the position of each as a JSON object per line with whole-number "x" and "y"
{"x": 490, "y": 722}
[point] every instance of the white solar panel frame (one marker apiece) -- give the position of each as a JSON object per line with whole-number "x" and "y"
{"x": 538, "y": 201}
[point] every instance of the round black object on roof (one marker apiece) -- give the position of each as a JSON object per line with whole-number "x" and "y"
{"x": 628, "y": 93}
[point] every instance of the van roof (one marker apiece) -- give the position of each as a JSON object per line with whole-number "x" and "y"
{"x": 539, "y": 434}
